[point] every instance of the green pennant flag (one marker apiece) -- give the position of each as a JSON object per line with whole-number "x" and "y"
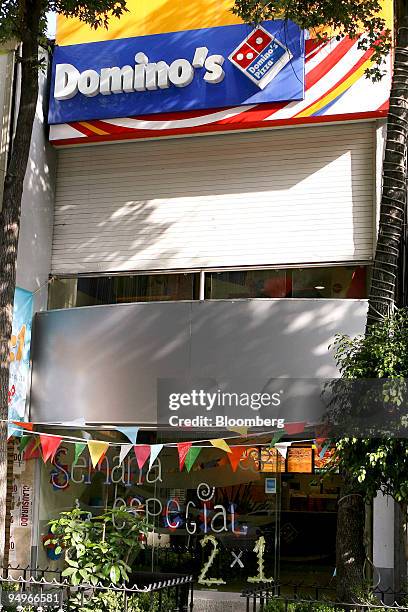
{"x": 79, "y": 447}
{"x": 24, "y": 442}
{"x": 192, "y": 456}
{"x": 276, "y": 438}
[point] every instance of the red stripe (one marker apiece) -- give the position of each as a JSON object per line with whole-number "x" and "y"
{"x": 82, "y": 128}
{"x": 140, "y": 134}
{"x": 385, "y": 106}
{"x": 329, "y": 62}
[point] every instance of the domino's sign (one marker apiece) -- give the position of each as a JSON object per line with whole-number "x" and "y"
{"x": 180, "y": 71}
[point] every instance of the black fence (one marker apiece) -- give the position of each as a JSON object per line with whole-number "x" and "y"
{"x": 31, "y": 589}
{"x": 306, "y": 597}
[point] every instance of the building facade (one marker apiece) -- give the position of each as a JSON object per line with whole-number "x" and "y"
{"x": 216, "y": 205}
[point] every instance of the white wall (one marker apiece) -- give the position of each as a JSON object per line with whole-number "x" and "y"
{"x": 34, "y": 252}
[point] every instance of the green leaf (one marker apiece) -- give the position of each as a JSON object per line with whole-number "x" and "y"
{"x": 114, "y": 574}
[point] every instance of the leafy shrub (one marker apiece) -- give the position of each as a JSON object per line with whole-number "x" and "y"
{"x": 278, "y": 605}
{"x": 98, "y": 549}
{"x": 112, "y": 601}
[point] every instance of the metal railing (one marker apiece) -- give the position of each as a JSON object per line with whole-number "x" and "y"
{"x": 306, "y": 597}
{"x": 34, "y": 589}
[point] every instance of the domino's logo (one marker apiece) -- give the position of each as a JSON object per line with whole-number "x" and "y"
{"x": 260, "y": 57}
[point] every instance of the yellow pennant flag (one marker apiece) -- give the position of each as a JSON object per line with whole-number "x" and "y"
{"x": 221, "y": 444}
{"x": 97, "y": 450}
{"x": 242, "y": 431}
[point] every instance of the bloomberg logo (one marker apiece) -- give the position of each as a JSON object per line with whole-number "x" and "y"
{"x": 178, "y": 71}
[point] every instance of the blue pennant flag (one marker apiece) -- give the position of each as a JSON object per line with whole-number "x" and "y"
{"x": 129, "y": 432}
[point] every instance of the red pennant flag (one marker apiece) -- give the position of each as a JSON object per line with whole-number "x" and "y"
{"x": 183, "y": 448}
{"x": 32, "y": 451}
{"x": 28, "y": 426}
{"x": 235, "y": 456}
{"x": 142, "y": 452}
{"x": 294, "y": 428}
{"x": 49, "y": 446}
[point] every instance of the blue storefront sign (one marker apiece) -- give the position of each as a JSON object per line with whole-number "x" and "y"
{"x": 178, "y": 71}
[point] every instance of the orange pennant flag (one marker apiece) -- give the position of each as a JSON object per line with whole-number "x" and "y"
{"x": 28, "y": 426}
{"x": 97, "y": 450}
{"x": 49, "y": 446}
{"x": 235, "y": 456}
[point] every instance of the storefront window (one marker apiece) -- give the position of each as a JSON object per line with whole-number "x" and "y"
{"x": 263, "y": 507}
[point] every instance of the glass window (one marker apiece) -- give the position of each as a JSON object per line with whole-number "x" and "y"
{"x": 331, "y": 282}
{"x": 88, "y": 291}
{"x": 250, "y": 284}
{"x": 319, "y": 282}
{"x": 336, "y": 282}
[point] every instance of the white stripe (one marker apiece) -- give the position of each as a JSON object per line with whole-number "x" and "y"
{"x": 138, "y": 124}
{"x": 321, "y": 55}
{"x": 64, "y": 131}
{"x": 323, "y": 85}
{"x": 373, "y": 94}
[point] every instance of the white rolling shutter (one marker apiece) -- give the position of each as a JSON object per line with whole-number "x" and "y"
{"x": 287, "y": 196}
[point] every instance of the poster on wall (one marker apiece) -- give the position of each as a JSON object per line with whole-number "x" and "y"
{"x": 20, "y": 354}
{"x": 22, "y": 510}
{"x": 300, "y": 460}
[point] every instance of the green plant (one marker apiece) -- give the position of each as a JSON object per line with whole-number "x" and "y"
{"x": 278, "y": 605}
{"x": 113, "y": 601}
{"x": 97, "y": 549}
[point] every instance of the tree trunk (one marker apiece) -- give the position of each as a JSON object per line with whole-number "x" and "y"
{"x": 350, "y": 551}
{"x": 10, "y": 226}
{"x": 394, "y": 191}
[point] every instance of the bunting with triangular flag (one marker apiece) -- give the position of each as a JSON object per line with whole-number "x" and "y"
{"x": 183, "y": 448}
{"x": 97, "y": 451}
{"x": 276, "y": 438}
{"x": 49, "y": 446}
{"x": 154, "y": 453}
{"x": 25, "y": 440}
{"x": 124, "y": 451}
{"x": 191, "y": 457}
{"x": 17, "y": 432}
{"x": 142, "y": 452}
{"x": 79, "y": 449}
{"x": 32, "y": 450}
{"x": 235, "y": 456}
{"x": 221, "y": 444}
{"x": 129, "y": 432}
{"x": 24, "y": 425}
{"x": 282, "y": 448}
{"x": 294, "y": 428}
{"x": 242, "y": 431}
{"x": 323, "y": 450}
